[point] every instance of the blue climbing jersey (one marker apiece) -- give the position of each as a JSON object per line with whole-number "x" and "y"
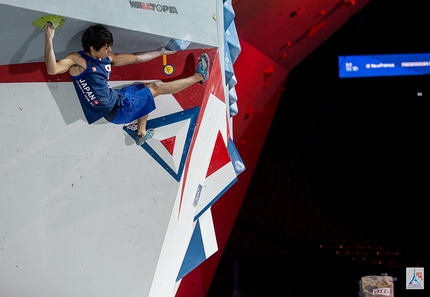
{"x": 94, "y": 93}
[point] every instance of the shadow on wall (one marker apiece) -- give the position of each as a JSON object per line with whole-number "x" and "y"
{"x": 63, "y": 94}
{"x": 73, "y": 45}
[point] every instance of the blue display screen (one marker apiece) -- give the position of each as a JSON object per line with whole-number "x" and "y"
{"x": 384, "y": 65}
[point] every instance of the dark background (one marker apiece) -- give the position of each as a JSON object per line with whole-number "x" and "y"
{"x": 340, "y": 188}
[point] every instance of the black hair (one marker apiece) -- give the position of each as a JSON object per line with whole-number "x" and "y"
{"x": 96, "y": 36}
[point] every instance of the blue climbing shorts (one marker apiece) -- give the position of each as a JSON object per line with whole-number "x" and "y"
{"x": 134, "y": 101}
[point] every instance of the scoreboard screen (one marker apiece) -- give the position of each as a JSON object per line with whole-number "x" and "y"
{"x": 384, "y": 65}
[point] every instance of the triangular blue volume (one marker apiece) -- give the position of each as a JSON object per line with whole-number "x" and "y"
{"x": 195, "y": 254}
{"x": 189, "y": 115}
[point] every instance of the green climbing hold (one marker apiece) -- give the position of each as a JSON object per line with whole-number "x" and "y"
{"x": 56, "y": 21}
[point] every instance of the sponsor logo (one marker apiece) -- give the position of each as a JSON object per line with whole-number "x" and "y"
{"x": 380, "y": 65}
{"x": 382, "y": 292}
{"x": 415, "y": 278}
{"x": 153, "y": 7}
{"x": 350, "y": 67}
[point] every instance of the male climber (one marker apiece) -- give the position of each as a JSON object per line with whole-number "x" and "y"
{"x": 90, "y": 70}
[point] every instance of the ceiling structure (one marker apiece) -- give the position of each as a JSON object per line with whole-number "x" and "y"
{"x": 288, "y": 31}
{"x": 340, "y": 180}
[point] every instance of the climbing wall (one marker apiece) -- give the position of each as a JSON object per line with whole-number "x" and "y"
{"x": 85, "y": 211}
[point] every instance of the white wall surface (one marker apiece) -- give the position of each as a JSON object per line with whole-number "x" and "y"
{"x": 83, "y": 209}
